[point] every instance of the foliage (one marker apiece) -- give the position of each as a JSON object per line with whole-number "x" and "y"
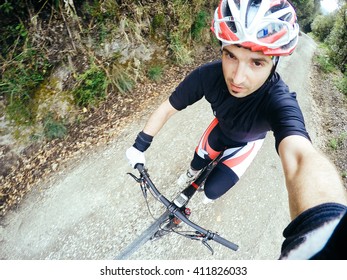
{"x": 322, "y": 26}
{"x": 200, "y": 24}
{"x": 155, "y": 73}
{"x": 37, "y": 36}
{"x": 306, "y": 11}
{"x": 331, "y": 29}
{"x": 53, "y": 127}
{"x": 20, "y": 77}
{"x": 337, "y": 142}
{"x": 323, "y": 60}
{"x": 342, "y": 85}
{"x": 190, "y": 22}
{"x": 338, "y": 38}
{"x": 91, "y": 87}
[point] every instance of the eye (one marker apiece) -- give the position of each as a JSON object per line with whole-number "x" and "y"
{"x": 229, "y": 55}
{"x": 258, "y": 63}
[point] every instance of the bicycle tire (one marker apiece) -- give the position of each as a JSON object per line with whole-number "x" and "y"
{"x": 145, "y": 236}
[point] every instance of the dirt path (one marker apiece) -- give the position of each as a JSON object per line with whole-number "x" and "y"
{"x": 93, "y": 210}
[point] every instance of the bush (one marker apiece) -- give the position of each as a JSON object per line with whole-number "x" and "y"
{"x": 155, "y": 73}
{"x": 91, "y": 87}
{"x": 324, "y": 63}
{"x": 53, "y": 127}
{"x": 200, "y": 23}
{"x": 342, "y": 85}
{"x": 20, "y": 77}
{"x": 322, "y": 26}
{"x": 337, "y": 40}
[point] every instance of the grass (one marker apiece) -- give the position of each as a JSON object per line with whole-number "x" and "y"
{"x": 21, "y": 76}
{"x": 337, "y": 142}
{"x": 342, "y": 85}
{"x": 91, "y": 88}
{"x": 155, "y": 73}
{"x": 324, "y": 63}
{"x": 199, "y": 25}
{"x": 53, "y": 127}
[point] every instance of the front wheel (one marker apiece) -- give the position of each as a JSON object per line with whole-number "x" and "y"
{"x": 144, "y": 237}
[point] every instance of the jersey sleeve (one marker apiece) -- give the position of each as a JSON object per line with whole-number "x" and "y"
{"x": 285, "y": 116}
{"x": 317, "y": 233}
{"x": 188, "y": 91}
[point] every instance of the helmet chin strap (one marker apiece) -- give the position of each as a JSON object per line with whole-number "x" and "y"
{"x": 275, "y": 60}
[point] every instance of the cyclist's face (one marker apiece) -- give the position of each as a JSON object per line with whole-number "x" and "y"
{"x": 244, "y": 71}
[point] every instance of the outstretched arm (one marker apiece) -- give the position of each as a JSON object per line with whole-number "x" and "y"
{"x": 158, "y": 118}
{"x": 311, "y": 179}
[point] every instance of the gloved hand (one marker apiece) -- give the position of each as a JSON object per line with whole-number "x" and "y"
{"x": 135, "y": 156}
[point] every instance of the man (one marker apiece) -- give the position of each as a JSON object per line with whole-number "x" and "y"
{"x": 248, "y": 99}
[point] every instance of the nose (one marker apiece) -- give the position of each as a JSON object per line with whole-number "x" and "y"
{"x": 239, "y": 74}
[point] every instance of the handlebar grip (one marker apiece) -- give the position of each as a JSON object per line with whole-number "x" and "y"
{"x": 139, "y": 166}
{"x": 225, "y": 242}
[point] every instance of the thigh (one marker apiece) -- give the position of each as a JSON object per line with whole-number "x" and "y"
{"x": 239, "y": 159}
{"x": 209, "y": 146}
{"x": 232, "y": 165}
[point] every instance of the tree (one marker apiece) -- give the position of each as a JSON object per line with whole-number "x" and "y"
{"x": 306, "y": 11}
{"x": 338, "y": 38}
{"x": 322, "y": 26}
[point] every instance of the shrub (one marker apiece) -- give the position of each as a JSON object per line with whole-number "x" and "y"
{"x": 155, "y": 73}
{"x": 20, "y": 77}
{"x": 91, "y": 87}
{"x": 342, "y": 85}
{"x": 200, "y": 23}
{"x": 53, "y": 127}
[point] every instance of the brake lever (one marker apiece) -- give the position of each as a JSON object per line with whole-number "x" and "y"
{"x": 208, "y": 246}
{"x": 140, "y": 180}
{"x": 137, "y": 179}
{"x": 203, "y": 239}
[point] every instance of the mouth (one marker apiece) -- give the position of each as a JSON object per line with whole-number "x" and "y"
{"x": 236, "y": 89}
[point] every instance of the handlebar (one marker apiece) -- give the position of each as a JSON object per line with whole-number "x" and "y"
{"x": 175, "y": 210}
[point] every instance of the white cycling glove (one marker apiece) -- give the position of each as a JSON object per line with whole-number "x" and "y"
{"x": 135, "y": 156}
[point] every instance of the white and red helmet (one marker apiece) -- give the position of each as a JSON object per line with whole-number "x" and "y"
{"x": 268, "y": 26}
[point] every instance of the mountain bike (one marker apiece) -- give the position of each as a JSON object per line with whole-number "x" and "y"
{"x": 176, "y": 213}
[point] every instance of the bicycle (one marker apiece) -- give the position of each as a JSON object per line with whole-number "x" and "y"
{"x": 176, "y": 213}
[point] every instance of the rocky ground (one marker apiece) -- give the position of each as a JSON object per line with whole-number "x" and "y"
{"x": 19, "y": 173}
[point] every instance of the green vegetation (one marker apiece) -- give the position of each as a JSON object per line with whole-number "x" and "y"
{"x": 21, "y": 76}
{"x": 331, "y": 31}
{"x": 200, "y": 24}
{"x": 155, "y": 73}
{"x": 91, "y": 87}
{"x": 341, "y": 84}
{"x": 336, "y": 143}
{"x": 54, "y": 127}
{"x": 102, "y": 42}
{"x": 108, "y": 46}
{"x": 323, "y": 60}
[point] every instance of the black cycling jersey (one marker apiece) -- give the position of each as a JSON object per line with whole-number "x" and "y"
{"x": 271, "y": 107}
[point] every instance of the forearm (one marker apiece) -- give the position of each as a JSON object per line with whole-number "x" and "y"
{"x": 159, "y": 117}
{"x": 311, "y": 179}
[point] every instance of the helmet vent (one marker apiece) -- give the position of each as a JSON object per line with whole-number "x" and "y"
{"x": 287, "y": 17}
{"x": 227, "y": 13}
{"x": 284, "y": 4}
{"x": 252, "y": 9}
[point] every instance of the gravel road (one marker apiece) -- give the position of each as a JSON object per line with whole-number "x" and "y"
{"x": 94, "y": 210}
